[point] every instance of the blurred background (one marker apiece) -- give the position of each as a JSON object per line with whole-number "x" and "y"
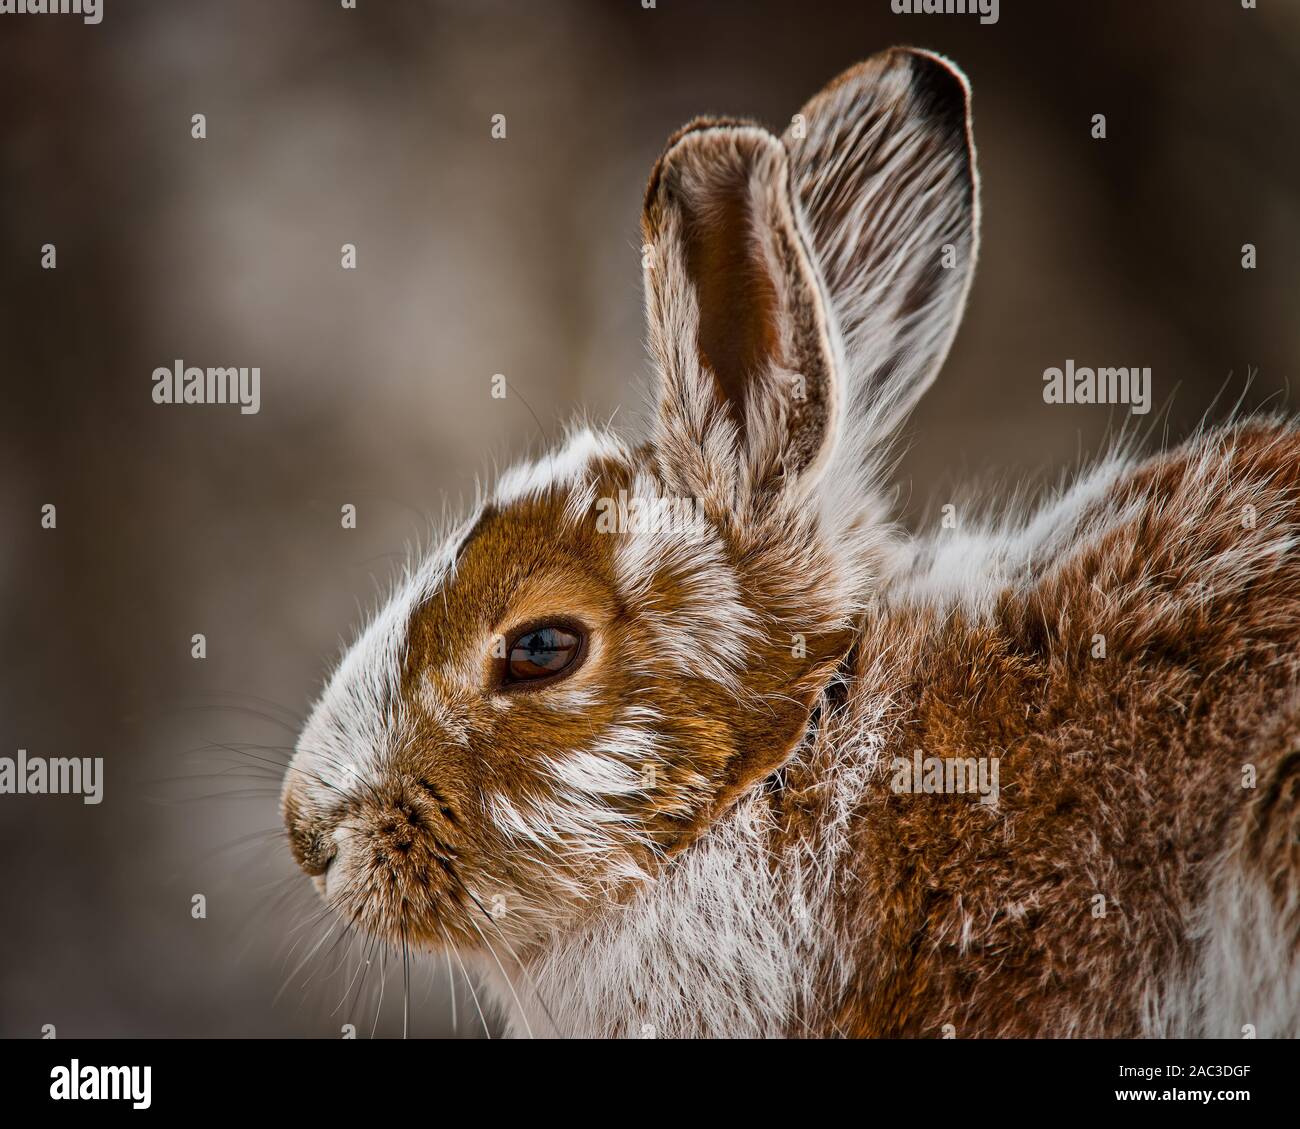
{"x": 476, "y": 256}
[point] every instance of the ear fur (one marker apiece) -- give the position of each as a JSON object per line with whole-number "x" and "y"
{"x": 812, "y": 287}
{"x": 749, "y": 400}
{"x": 883, "y": 163}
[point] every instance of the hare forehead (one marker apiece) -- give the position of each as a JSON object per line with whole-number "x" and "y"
{"x": 668, "y": 563}
{"x": 569, "y": 465}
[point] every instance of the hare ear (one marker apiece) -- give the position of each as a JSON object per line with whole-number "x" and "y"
{"x": 883, "y": 165}
{"x": 748, "y": 400}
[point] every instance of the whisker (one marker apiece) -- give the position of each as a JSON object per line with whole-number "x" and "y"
{"x": 470, "y": 983}
{"x": 509, "y": 983}
{"x": 233, "y": 709}
{"x": 315, "y": 949}
{"x": 383, "y": 983}
{"x": 555, "y": 1027}
{"x": 451, "y": 983}
{"x": 406, "y": 983}
{"x": 292, "y": 715}
{"x": 348, "y": 987}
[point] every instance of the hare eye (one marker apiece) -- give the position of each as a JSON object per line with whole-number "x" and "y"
{"x": 542, "y": 653}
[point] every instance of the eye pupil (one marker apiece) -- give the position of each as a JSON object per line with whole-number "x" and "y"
{"x": 540, "y": 653}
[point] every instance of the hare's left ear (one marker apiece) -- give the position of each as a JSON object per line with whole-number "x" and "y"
{"x": 738, "y": 325}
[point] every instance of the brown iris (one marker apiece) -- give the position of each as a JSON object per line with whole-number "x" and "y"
{"x": 542, "y": 653}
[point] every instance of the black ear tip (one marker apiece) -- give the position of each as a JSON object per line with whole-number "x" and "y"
{"x": 939, "y": 88}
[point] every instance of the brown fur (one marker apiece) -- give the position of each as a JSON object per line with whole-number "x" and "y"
{"x": 1121, "y": 776}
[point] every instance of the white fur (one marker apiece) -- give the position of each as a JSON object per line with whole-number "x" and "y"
{"x": 1246, "y": 982}
{"x": 345, "y": 742}
{"x": 969, "y": 566}
{"x": 715, "y": 647}
{"x": 564, "y": 467}
{"x": 727, "y": 942}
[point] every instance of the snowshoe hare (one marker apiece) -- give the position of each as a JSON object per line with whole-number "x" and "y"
{"x": 682, "y": 737}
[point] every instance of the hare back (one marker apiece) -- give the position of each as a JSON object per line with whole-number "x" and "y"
{"x": 1123, "y": 670}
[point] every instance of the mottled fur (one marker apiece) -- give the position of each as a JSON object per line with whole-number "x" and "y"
{"x": 695, "y": 833}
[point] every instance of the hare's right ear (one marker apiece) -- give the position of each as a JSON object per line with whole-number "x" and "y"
{"x": 883, "y": 166}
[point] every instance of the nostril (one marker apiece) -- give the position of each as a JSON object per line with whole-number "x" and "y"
{"x": 319, "y": 865}
{"x": 313, "y": 851}
{"x": 321, "y": 880}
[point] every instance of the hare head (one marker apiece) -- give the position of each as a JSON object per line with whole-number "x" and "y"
{"x": 626, "y": 637}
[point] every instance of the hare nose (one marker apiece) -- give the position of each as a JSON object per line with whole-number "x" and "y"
{"x": 312, "y": 850}
{"x": 311, "y": 841}
{"x": 316, "y": 856}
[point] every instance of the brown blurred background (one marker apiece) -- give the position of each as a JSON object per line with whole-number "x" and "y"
{"x": 328, "y": 126}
